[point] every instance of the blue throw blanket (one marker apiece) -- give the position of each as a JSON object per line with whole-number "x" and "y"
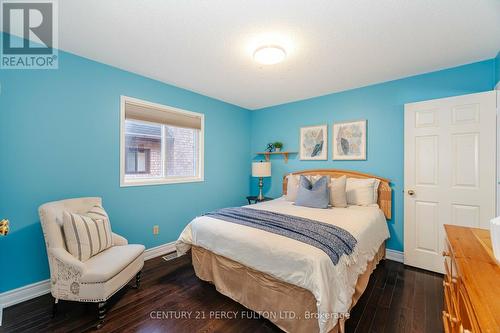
{"x": 334, "y": 241}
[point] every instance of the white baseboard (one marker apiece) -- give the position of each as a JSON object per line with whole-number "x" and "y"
{"x": 395, "y": 255}
{"x": 36, "y": 289}
{"x": 159, "y": 250}
{"x": 24, "y": 293}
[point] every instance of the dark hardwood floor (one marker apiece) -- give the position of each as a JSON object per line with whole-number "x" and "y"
{"x": 398, "y": 299}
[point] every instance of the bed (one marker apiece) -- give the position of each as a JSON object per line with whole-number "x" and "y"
{"x": 291, "y": 283}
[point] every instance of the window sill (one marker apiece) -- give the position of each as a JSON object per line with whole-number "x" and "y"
{"x": 161, "y": 181}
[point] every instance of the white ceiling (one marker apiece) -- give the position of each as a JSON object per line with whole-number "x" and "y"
{"x": 333, "y": 45}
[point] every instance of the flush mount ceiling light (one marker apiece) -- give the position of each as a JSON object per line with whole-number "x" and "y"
{"x": 269, "y": 54}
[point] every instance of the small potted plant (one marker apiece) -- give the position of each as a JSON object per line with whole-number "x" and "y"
{"x": 277, "y": 146}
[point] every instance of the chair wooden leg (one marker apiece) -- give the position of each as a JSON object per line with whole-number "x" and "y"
{"x": 54, "y": 307}
{"x": 138, "y": 280}
{"x": 101, "y": 314}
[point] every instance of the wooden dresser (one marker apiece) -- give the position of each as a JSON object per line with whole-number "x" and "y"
{"x": 471, "y": 282}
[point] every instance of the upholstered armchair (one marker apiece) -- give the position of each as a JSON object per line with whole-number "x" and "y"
{"x": 96, "y": 279}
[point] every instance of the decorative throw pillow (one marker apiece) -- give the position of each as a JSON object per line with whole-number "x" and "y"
{"x": 362, "y": 191}
{"x": 314, "y": 178}
{"x": 292, "y": 186}
{"x": 314, "y": 196}
{"x": 85, "y": 235}
{"x": 338, "y": 197}
{"x": 97, "y": 212}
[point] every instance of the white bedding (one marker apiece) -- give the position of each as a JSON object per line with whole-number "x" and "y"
{"x": 292, "y": 261}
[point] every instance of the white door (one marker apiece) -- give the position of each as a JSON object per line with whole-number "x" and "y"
{"x": 450, "y": 172}
{"x": 498, "y": 150}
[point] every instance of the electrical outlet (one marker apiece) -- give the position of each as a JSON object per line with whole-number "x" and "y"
{"x": 156, "y": 229}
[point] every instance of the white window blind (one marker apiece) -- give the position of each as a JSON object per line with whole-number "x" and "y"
{"x": 163, "y": 115}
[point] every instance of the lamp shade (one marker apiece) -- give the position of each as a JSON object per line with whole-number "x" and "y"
{"x": 261, "y": 169}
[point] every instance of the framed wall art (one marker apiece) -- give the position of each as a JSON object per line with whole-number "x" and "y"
{"x": 314, "y": 142}
{"x": 349, "y": 140}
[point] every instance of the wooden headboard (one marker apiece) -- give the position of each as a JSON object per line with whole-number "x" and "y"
{"x": 384, "y": 189}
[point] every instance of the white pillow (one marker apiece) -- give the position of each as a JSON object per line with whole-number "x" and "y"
{"x": 362, "y": 191}
{"x": 292, "y": 187}
{"x": 338, "y": 197}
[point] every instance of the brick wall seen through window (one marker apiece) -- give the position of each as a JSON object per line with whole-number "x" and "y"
{"x": 181, "y": 151}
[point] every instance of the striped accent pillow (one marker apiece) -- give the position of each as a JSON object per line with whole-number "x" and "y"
{"x": 85, "y": 235}
{"x": 98, "y": 213}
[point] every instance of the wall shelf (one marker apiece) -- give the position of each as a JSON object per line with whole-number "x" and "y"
{"x": 284, "y": 153}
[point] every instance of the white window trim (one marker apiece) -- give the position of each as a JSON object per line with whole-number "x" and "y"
{"x": 164, "y": 180}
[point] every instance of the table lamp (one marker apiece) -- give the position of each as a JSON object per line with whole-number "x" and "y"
{"x": 261, "y": 169}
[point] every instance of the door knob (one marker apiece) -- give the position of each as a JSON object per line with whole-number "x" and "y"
{"x": 411, "y": 192}
{"x": 4, "y": 227}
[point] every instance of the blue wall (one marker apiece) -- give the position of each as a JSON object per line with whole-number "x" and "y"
{"x": 382, "y": 105}
{"x": 59, "y": 134}
{"x": 497, "y": 68}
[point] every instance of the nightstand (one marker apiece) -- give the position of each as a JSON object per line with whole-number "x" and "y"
{"x": 253, "y": 199}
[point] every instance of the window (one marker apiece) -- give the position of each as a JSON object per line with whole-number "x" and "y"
{"x": 137, "y": 160}
{"x": 160, "y": 144}
{"x": 143, "y": 144}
